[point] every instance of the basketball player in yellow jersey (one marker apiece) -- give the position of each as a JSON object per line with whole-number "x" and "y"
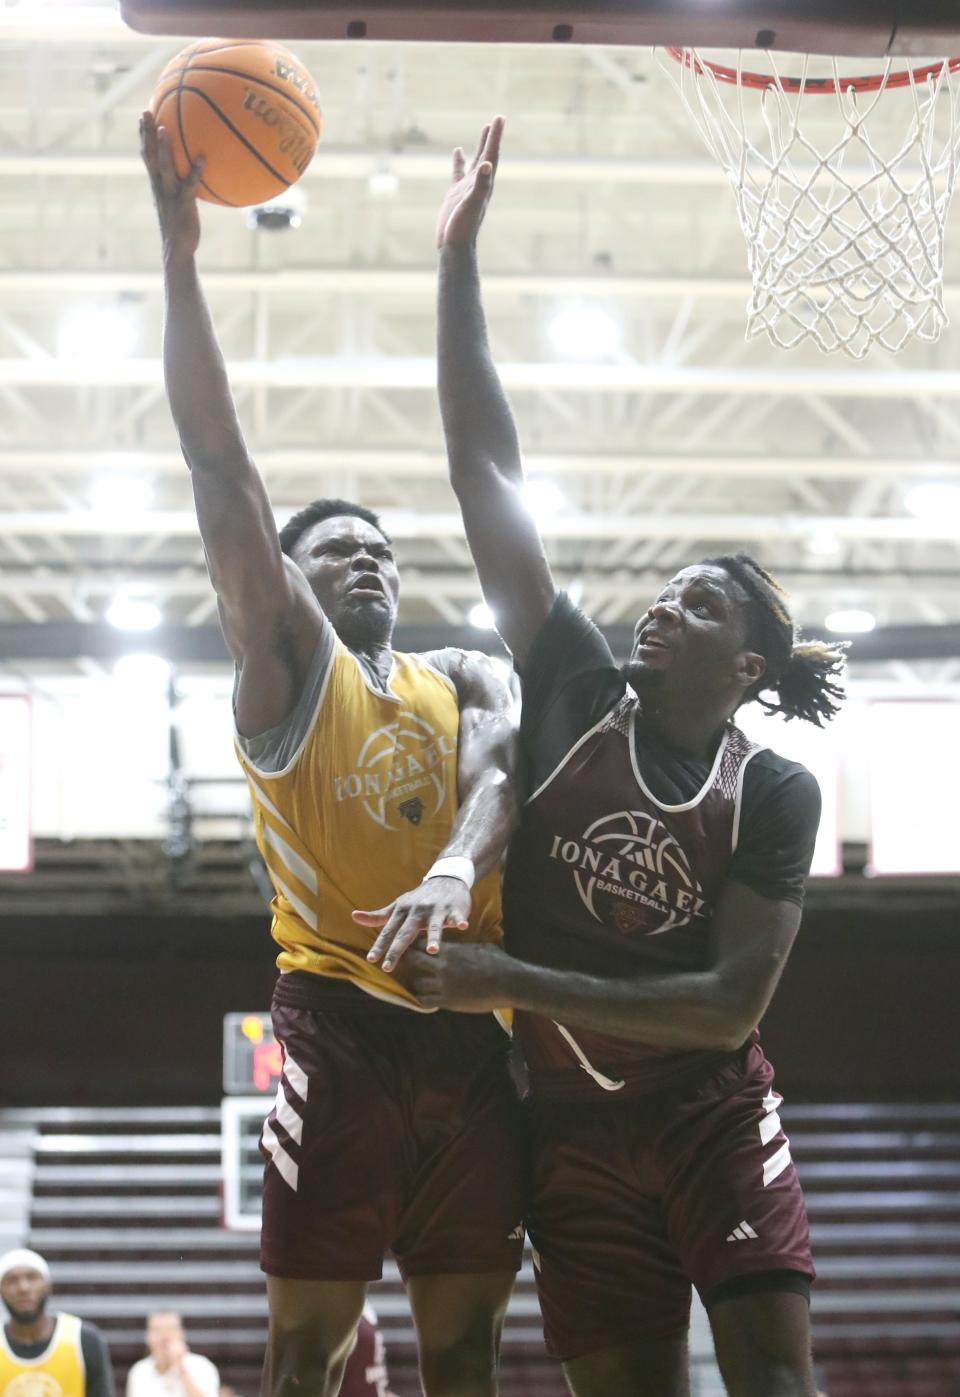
{"x": 380, "y": 782}
{"x": 43, "y": 1355}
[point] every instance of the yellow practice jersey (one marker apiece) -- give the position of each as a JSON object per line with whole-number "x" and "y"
{"x": 58, "y": 1372}
{"x": 353, "y": 798}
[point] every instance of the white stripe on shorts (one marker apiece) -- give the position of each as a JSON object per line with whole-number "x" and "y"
{"x": 287, "y": 1116}
{"x": 775, "y": 1165}
{"x": 295, "y": 1075}
{"x": 288, "y": 1169}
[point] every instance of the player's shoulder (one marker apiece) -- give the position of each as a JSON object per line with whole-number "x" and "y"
{"x": 776, "y": 767}
{"x": 768, "y": 774}
{"x": 464, "y": 668}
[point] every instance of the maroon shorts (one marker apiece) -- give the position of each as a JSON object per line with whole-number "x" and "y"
{"x": 634, "y": 1200}
{"x": 391, "y": 1131}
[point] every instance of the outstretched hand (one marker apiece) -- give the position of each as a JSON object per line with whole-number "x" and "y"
{"x": 465, "y": 202}
{"x": 175, "y": 198}
{"x": 426, "y": 910}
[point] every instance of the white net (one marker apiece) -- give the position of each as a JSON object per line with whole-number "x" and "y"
{"x": 844, "y": 228}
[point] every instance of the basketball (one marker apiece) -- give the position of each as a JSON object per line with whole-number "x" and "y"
{"x": 248, "y": 108}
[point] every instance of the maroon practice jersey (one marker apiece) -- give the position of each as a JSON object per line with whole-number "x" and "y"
{"x": 607, "y": 878}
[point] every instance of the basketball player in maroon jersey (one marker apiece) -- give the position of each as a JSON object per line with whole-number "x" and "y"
{"x": 651, "y": 898}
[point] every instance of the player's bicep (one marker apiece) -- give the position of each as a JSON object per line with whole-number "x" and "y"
{"x": 488, "y": 722}
{"x": 240, "y": 540}
{"x": 751, "y": 937}
{"x": 508, "y": 552}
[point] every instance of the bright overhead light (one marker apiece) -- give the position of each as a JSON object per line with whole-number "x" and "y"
{"x": 543, "y": 497}
{"x": 132, "y": 613}
{"x": 481, "y": 617}
{"x": 584, "y": 332}
{"x": 933, "y": 499}
{"x": 823, "y": 543}
{"x": 383, "y": 182}
{"x": 119, "y": 495}
{"x": 851, "y": 621}
{"x": 97, "y": 332}
{"x": 147, "y": 674}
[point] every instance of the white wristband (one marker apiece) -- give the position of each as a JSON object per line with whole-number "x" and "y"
{"x": 457, "y": 866}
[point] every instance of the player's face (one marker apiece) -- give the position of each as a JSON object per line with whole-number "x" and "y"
{"x": 694, "y": 634}
{"x": 24, "y": 1292}
{"x": 352, "y": 573}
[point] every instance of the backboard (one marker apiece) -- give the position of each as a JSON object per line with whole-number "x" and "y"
{"x": 856, "y": 28}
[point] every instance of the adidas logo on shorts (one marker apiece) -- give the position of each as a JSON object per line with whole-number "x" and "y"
{"x": 742, "y": 1233}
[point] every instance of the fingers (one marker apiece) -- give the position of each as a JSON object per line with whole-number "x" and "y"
{"x": 193, "y": 178}
{"x": 148, "y": 140}
{"x": 435, "y": 928}
{"x": 459, "y": 164}
{"x": 424, "y": 981}
{"x": 165, "y": 166}
{"x": 491, "y": 146}
{"x": 480, "y": 146}
{"x": 411, "y": 931}
{"x": 374, "y": 918}
{"x": 381, "y": 946}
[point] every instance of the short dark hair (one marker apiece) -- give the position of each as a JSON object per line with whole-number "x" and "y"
{"x": 311, "y": 514}
{"x": 803, "y": 674}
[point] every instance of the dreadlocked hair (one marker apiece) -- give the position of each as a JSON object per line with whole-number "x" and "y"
{"x": 804, "y": 675}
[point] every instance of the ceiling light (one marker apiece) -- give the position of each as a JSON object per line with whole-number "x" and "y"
{"x": 823, "y": 543}
{"x": 145, "y": 673}
{"x": 851, "y": 621}
{"x": 97, "y": 332}
{"x": 120, "y": 494}
{"x": 543, "y": 497}
{"x": 933, "y": 499}
{"x": 382, "y": 183}
{"x": 584, "y": 332}
{"x": 481, "y": 617}
{"x": 131, "y": 613}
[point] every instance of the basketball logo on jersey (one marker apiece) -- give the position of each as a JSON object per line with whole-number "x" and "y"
{"x": 399, "y": 773}
{"x": 33, "y": 1385}
{"x": 631, "y": 873}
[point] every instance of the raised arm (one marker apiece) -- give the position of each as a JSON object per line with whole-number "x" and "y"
{"x": 270, "y": 618}
{"x": 486, "y": 763}
{"x": 483, "y": 450}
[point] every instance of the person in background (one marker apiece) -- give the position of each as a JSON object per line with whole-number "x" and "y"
{"x": 365, "y": 1372}
{"x": 170, "y": 1369}
{"x": 54, "y": 1355}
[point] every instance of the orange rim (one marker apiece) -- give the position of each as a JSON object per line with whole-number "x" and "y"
{"x": 870, "y": 82}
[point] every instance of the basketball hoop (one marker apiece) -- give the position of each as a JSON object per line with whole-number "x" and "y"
{"x": 844, "y": 228}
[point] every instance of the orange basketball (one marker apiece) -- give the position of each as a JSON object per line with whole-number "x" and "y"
{"x": 249, "y": 107}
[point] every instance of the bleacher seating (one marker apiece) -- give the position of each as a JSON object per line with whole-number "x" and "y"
{"x": 126, "y": 1207}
